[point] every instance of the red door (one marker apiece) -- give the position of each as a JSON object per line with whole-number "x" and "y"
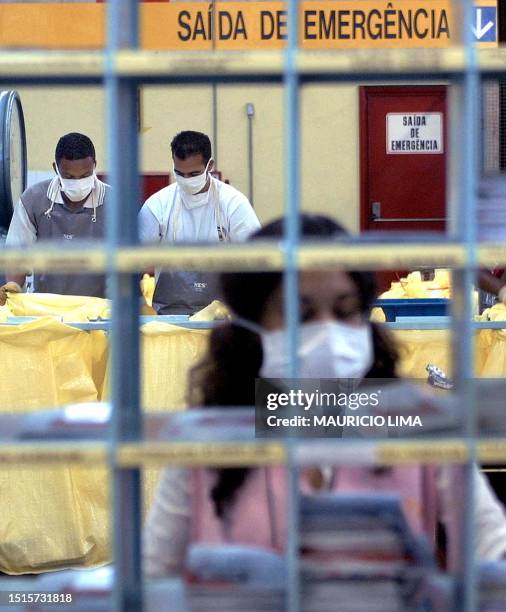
{"x": 403, "y": 148}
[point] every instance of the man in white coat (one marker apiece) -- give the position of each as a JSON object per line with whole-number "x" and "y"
{"x": 196, "y": 208}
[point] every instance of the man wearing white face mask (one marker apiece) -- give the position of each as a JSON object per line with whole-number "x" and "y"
{"x": 196, "y": 208}
{"x": 66, "y": 207}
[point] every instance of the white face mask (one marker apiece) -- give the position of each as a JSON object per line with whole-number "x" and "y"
{"x": 191, "y": 186}
{"x": 77, "y": 190}
{"x": 194, "y": 201}
{"x": 330, "y": 349}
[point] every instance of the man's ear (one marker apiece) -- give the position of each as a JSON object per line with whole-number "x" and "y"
{"x": 55, "y": 168}
{"x": 212, "y": 165}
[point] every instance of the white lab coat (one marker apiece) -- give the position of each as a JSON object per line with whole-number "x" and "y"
{"x": 164, "y": 218}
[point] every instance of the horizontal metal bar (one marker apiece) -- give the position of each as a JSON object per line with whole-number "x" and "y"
{"x": 88, "y": 326}
{"x": 431, "y": 325}
{"x": 43, "y": 67}
{"x": 48, "y": 430}
{"x": 491, "y": 255}
{"x": 362, "y": 452}
{"x": 272, "y": 63}
{"x": 356, "y": 452}
{"x": 254, "y": 452}
{"x": 492, "y": 62}
{"x": 179, "y": 321}
{"x": 426, "y": 452}
{"x": 202, "y": 453}
{"x": 105, "y": 324}
{"x": 238, "y": 257}
{"x": 40, "y": 65}
{"x": 492, "y": 470}
{"x": 47, "y": 453}
{"x": 390, "y": 220}
{"x": 357, "y": 253}
{"x": 187, "y": 324}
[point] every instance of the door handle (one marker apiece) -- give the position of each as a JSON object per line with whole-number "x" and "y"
{"x": 376, "y": 211}
{"x": 377, "y": 218}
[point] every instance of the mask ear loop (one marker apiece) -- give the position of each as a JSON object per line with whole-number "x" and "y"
{"x": 52, "y": 192}
{"x": 99, "y": 196}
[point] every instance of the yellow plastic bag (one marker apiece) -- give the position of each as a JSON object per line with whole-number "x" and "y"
{"x": 417, "y": 348}
{"x": 4, "y": 313}
{"x": 72, "y": 308}
{"x": 378, "y": 315}
{"x": 148, "y": 288}
{"x": 168, "y": 354}
{"x": 412, "y": 286}
{"x": 99, "y": 357}
{"x": 214, "y": 311}
{"x": 420, "y": 347}
{"x": 491, "y": 345}
{"x": 77, "y": 309}
{"x": 51, "y": 518}
{"x": 45, "y": 364}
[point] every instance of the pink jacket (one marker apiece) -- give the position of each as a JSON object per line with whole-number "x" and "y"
{"x": 257, "y": 517}
{"x": 259, "y": 513}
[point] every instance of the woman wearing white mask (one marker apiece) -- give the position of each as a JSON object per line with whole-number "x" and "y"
{"x": 66, "y": 207}
{"x": 196, "y": 208}
{"x": 337, "y": 340}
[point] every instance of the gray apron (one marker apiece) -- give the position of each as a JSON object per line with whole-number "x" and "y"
{"x": 179, "y": 292}
{"x": 65, "y": 224}
{"x": 185, "y": 292}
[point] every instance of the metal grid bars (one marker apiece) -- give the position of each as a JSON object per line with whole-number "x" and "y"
{"x": 123, "y": 68}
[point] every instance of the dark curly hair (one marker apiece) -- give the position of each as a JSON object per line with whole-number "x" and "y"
{"x": 226, "y": 375}
{"x": 74, "y": 146}
{"x": 188, "y": 143}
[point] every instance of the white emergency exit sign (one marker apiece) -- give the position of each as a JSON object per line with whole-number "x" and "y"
{"x": 414, "y": 133}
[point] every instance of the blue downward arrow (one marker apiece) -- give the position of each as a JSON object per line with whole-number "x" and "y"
{"x": 484, "y": 29}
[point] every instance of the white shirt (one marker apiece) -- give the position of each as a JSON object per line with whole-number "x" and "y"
{"x": 21, "y": 231}
{"x": 164, "y": 217}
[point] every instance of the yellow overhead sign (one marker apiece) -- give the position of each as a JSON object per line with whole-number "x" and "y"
{"x": 325, "y": 24}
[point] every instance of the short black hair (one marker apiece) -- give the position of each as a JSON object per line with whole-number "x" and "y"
{"x": 74, "y": 146}
{"x": 188, "y": 143}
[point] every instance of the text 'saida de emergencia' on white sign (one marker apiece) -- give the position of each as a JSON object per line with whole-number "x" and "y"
{"x": 414, "y": 133}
